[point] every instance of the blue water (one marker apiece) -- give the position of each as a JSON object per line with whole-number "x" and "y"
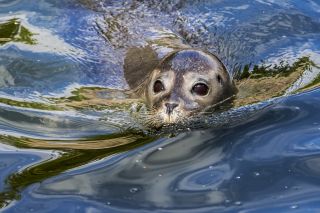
{"x": 66, "y": 161}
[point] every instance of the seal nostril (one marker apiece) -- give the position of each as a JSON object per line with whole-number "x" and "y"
{"x": 170, "y": 107}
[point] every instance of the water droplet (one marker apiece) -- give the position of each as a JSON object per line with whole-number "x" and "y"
{"x": 134, "y": 190}
{"x": 160, "y": 175}
{"x": 211, "y": 167}
{"x": 256, "y": 174}
{"x": 160, "y": 148}
{"x": 238, "y": 177}
{"x": 138, "y": 161}
{"x": 238, "y": 203}
{"x": 108, "y": 203}
{"x": 294, "y": 206}
{"x": 227, "y": 201}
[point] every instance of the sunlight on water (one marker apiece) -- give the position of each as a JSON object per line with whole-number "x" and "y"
{"x": 72, "y": 138}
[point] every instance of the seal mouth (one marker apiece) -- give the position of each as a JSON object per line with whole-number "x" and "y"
{"x": 160, "y": 119}
{"x": 169, "y": 118}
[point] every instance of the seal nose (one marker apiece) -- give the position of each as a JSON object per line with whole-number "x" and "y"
{"x": 170, "y": 107}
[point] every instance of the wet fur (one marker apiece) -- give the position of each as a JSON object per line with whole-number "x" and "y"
{"x": 144, "y": 64}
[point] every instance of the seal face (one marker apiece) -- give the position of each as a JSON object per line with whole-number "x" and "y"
{"x": 185, "y": 83}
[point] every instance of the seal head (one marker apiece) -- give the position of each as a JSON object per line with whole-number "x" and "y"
{"x": 186, "y": 83}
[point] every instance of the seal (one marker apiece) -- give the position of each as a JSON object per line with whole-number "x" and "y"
{"x": 184, "y": 83}
{"x": 172, "y": 78}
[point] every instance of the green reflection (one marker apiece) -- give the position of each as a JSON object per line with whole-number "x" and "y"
{"x": 82, "y": 98}
{"x": 13, "y": 31}
{"x": 74, "y": 154}
{"x": 267, "y": 81}
{"x": 276, "y": 70}
{"x": 97, "y": 98}
{"x": 31, "y": 105}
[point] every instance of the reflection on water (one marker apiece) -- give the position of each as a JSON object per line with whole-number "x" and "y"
{"x": 73, "y": 139}
{"x": 66, "y": 160}
{"x": 12, "y": 30}
{"x": 223, "y": 170}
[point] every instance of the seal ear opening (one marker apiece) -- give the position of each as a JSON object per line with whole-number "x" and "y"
{"x": 219, "y": 79}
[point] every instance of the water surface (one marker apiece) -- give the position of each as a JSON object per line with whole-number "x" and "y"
{"x": 60, "y": 152}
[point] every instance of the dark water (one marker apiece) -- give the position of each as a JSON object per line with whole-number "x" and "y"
{"x": 77, "y": 160}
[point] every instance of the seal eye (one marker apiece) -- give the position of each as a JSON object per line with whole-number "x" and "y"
{"x": 200, "y": 89}
{"x": 158, "y": 86}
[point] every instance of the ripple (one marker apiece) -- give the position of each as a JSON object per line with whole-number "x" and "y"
{"x": 202, "y": 180}
{"x": 243, "y": 159}
{"x": 8, "y": 3}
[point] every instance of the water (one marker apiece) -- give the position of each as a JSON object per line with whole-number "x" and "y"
{"x": 63, "y": 149}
